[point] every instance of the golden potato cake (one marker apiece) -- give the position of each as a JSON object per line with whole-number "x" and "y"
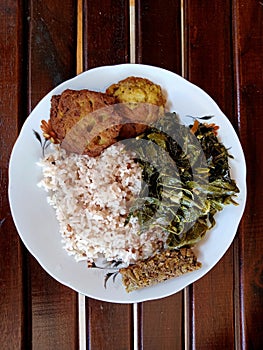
{"x": 136, "y": 90}
{"x": 140, "y": 102}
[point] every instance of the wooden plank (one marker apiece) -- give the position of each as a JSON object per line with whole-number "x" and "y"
{"x": 208, "y": 64}
{"x": 52, "y": 59}
{"x": 161, "y": 323}
{"x": 248, "y": 57}
{"x": 106, "y": 41}
{"x": 52, "y": 46}
{"x": 105, "y": 33}
{"x": 158, "y": 34}
{"x": 54, "y": 312}
{"x": 12, "y": 301}
{"x": 208, "y": 50}
{"x": 158, "y": 42}
{"x": 109, "y": 325}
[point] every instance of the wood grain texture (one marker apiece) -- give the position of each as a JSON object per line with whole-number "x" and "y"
{"x": 161, "y": 324}
{"x": 158, "y": 34}
{"x": 109, "y": 325}
{"x": 105, "y": 33}
{"x": 54, "y": 312}
{"x": 248, "y": 58}
{"x": 106, "y": 41}
{"x": 208, "y": 64}
{"x": 158, "y": 42}
{"x": 208, "y": 40}
{"x": 52, "y": 45}
{"x": 12, "y": 301}
{"x": 51, "y": 60}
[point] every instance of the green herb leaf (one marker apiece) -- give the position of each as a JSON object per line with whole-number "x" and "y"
{"x": 44, "y": 144}
{"x": 108, "y": 276}
{"x": 38, "y": 137}
{"x": 181, "y": 193}
{"x": 206, "y": 117}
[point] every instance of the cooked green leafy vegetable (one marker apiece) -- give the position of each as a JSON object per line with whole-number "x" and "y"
{"x": 186, "y": 179}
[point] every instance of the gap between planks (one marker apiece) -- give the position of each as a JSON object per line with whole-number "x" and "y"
{"x": 132, "y": 60}
{"x": 79, "y": 69}
{"x": 186, "y": 291}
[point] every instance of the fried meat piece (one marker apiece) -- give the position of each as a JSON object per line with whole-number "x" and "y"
{"x": 84, "y": 121}
{"x": 87, "y": 122}
{"x": 140, "y": 102}
{"x": 158, "y": 268}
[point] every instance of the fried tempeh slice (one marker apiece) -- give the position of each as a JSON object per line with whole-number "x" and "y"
{"x": 84, "y": 121}
{"x": 158, "y": 268}
{"x": 73, "y": 105}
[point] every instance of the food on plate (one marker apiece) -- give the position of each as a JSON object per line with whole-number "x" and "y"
{"x": 187, "y": 185}
{"x": 84, "y": 121}
{"x": 140, "y": 102}
{"x": 159, "y": 268}
{"x": 87, "y": 122}
{"x": 144, "y": 202}
{"x": 71, "y": 106}
{"x": 91, "y": 197}
{"x": 136, "y": 90}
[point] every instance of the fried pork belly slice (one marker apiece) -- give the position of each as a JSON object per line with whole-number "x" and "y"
{"x": 140, "y": 102}
{"x": 158, "y": 268}
{"x": 84, "y": 121}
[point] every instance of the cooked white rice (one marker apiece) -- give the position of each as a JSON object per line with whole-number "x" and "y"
{"x": 91, "y": 197}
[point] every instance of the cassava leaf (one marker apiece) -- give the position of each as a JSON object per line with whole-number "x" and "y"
{"x": 180, "y": 200}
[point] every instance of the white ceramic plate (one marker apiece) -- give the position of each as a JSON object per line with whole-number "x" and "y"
{"x": 35, "y": 219}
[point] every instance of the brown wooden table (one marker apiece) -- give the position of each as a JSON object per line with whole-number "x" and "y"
{"x": 217, "y": 45}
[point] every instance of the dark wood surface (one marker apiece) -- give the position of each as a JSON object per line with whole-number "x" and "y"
{"x": 217, "y": 45}
{"x": 209, "y": 65}
{"x": 51, "y": 59}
